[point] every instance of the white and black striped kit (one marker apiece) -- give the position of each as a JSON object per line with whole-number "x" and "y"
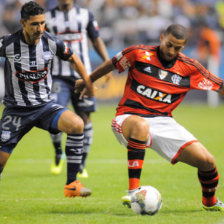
{"x": 27, "y": 68}
{"x": 73, "y": 27}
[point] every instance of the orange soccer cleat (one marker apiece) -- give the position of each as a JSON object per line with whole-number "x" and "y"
{"x": 75, "y": 189}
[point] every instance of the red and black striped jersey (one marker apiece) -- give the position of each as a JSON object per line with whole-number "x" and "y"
{"x": 153, "y": 89}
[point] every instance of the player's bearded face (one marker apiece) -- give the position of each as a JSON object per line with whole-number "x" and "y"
{"x": 170, "y": 46}
{"x": 33, "y": 28}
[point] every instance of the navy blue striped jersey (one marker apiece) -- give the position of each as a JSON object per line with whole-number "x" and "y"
{"x": 27, "y": 68}
{"x": 74, "y": 28}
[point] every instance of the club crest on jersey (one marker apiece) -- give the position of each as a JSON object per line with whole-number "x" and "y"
{"x": 32, "y": 76}
{"x": 205, "y": 84}
{"x": 176, "y": 79}
{"x": 5, "y": 136}
{"x": 163, "y": 74}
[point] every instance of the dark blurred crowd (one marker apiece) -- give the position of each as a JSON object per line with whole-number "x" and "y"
{"x": 127, "y": 22}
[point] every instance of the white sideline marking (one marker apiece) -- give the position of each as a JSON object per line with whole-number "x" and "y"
{"x": 92, "y": 161}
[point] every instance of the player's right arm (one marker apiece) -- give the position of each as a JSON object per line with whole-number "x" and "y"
{"x": 123, "y": 60}
{"x": 99, "y": 72}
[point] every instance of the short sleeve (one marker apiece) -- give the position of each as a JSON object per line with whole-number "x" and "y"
{"x": 63, "y": 51}
{"x": 125, "y": 59}
{"x": 203, "y": 79}
{"x": 92, "y": 27}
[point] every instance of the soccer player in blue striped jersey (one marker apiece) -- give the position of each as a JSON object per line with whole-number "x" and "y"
{"x": 74, "y": 26}
{"x": 28, "y": 57}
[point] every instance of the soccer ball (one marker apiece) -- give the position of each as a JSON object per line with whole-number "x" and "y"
{"x": 146, "y": 201}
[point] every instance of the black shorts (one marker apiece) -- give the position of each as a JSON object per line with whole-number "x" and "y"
{"x": 17, "y": 121}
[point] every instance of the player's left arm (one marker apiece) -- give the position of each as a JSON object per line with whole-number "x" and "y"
{"x": 78, "y": 66}
{"x": 203, "y": 79}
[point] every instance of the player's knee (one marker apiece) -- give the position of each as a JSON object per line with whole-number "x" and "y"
{"x": 140, "y": 130}
{"x": 76, "y": 126}
{"x": 208, "y": 163}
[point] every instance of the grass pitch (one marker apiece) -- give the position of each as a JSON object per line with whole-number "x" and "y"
{"x": 29, "y": 194}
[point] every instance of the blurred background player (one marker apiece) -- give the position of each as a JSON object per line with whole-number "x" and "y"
{"x": 73, "y": 25}
{"x": 29, "y": 53}
{"x": 158, "y": 79}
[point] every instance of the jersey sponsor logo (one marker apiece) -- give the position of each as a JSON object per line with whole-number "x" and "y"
{"x": 32, "y": 76}
{"x": 154, "y": 94}
{"x": 5, "y": 136}
{"x": 205, "y": 84}
{"x": 70, "y": 36}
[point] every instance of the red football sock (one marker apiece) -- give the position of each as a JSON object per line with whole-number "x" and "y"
{"x": 136, "y": 153}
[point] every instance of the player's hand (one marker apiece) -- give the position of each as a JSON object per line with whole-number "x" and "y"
{"x": 79, "y": 86}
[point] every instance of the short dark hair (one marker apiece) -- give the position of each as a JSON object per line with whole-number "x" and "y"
{"x": 31, "y": 9}
{"x": 178, "y": 31}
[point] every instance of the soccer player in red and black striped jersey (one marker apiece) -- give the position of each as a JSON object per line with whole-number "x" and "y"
{"x": 158, "y": 79}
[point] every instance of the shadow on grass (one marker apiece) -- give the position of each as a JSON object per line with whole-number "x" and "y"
{"x": 120, "y": 213}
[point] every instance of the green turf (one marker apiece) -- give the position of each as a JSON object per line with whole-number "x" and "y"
{"x": 29, "y": 194}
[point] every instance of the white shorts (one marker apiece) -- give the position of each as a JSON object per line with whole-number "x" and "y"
{"x": 166, "y": 136}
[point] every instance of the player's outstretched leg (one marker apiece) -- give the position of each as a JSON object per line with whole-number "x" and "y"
{"x": 197, "y": 155}
{"x": 74, "y": 150}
